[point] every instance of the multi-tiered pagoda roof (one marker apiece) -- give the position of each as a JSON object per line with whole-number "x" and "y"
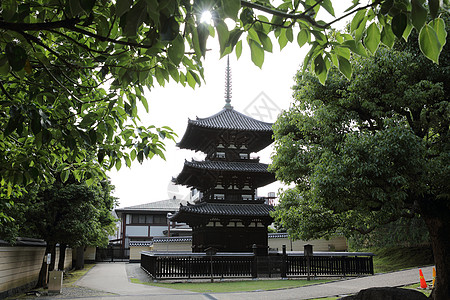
{"x": 229, "y": 216}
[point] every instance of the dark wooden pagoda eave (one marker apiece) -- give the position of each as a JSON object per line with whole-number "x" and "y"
{"x": 193, "y": 176}
{"x": 200, "y": 138}
{"x": 204, "y": 212}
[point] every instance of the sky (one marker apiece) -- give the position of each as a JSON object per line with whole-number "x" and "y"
{"x": 253, "y": 90}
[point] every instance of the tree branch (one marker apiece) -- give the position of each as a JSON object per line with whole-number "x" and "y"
{"x": 38, "y": 26}
{"x": 302, "y": 16}
{"x": 5, "y": 92}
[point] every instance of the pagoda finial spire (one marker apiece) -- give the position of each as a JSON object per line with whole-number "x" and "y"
{"x": 228, "y": 85}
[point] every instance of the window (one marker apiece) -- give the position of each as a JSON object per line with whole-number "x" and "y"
{"x": 246, "y": 197}
{"x": 243, "y": 155}
{"x": 159, "y": 219}
{"x": 135, "y": 219}
{"x": 220, "y": 154}
{"x": 149, "y": 219}
{"x": 219, "y": 197}
{"x": 141, "y": 219}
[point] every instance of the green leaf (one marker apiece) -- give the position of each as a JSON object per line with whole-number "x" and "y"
{"x": 101, "y": 155}
{"x": 238, "y": 49}
{"x": 289, "y": 34}
{"x": 222, "y": 32}
{"x": 133, "y": 154}
{"x": 355, "y": 47}
{"x": 159, "y": 76}
{"x": 319, "y": 65}
{"x": 344, "y": 52}
{"x": 439, "y": 27}
{"x": 64, "y": 175}
{"x": 345, "y": 67}
{"x": 266, "y": 42}
{"x": 118, "y": 164}
{"x": 122, "y": 6}
{"x": 234, "y": 36}
{"x": 231, "y": 8}
{"x": 418, "y": 14}
{"x": 9, "y": 9}
{"x": 429, "y": 43}
{"x": 282, "y": 39}
{"x": 16, "y": 55}
{"x": 407, "y": 31}
{"x": 173, "y": 73}
{"x": 373, "y": 38}
{"x": 75, "y": 7}
{"x": 190, "y": 80}
{"x": 387, "y": 36}
{"x": 303, "y": 37}
{"x": 87, "y": 5}
{"x": 399, "y": 23}
{"x": 360, "y": 30}
{"x": 328, "y": 6}
{"x": 135, "y": 17}
{"x": 176, "y": 50}
{"x": 257, "y": 53}
{"x": 127, "y": 161}
{"x": 386, "y": 6}
{"x": 357, "y": 20}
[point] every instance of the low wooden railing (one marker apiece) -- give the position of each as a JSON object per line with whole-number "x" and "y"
{"x": 226, "y": 265}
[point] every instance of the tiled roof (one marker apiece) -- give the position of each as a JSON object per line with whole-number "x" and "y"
{"x": 141, "y": 243}
{"x": 231, "y": 119}
{"x": 193, "y": 173}
{"x": 204, "y": 134}
{"x": 222, "y": 209}
{"x": 228, "y": 166}
{"x": 163, "y": 205}
{"x": 173, "y": 239}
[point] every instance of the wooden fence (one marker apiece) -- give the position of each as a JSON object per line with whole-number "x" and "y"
{"x": 227, "y": 265}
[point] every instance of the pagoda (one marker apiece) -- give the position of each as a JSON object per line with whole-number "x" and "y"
{"x": 228, "y": 216}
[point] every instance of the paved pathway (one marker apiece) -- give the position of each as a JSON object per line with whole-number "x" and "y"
{"x": 112, "y": 278}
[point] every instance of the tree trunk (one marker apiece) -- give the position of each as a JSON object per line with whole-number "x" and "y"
{"x": 437, "y": 217}
{"x": 79, "y": 262}
{"x": 51, "y": 267}
{"x": 42, "y": 279}
{"x": 62, "y": 256}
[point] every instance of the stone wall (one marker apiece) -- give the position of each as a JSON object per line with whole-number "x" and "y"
{"x": 276, "y": 242}
{"x": 338, "y": 243}
{"x": 20, "y": 266}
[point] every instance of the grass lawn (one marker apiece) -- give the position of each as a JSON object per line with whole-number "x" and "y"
{"x": 234, "y": 286}
{"x": 399, "y": 258}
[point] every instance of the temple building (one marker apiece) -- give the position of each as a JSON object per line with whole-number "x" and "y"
{"x": 229, "y": 216}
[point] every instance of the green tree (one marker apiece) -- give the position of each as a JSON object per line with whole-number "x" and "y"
{"x": 367, "y": 152}
{"x": 73, "y": 72}
{"x": 69, "y": 214}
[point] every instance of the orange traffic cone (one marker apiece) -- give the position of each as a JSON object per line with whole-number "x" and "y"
{"x": 423, "y": 283}
{"x": 434, "y": 277}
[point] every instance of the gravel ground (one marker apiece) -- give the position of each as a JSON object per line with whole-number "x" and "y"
{"x": 71, "y": 292}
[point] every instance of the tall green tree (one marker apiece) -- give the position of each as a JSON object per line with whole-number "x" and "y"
{"x": 369, "y": 151}
{"x": 69, "y": 214}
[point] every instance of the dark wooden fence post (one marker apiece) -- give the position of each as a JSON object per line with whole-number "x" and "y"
{"x": 255, "y": 261}
{"x": 308, "y": 252}
{"x": 284, "y": 263}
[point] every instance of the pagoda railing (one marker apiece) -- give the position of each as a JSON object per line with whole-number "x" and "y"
{"x": 160, "y": 265}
